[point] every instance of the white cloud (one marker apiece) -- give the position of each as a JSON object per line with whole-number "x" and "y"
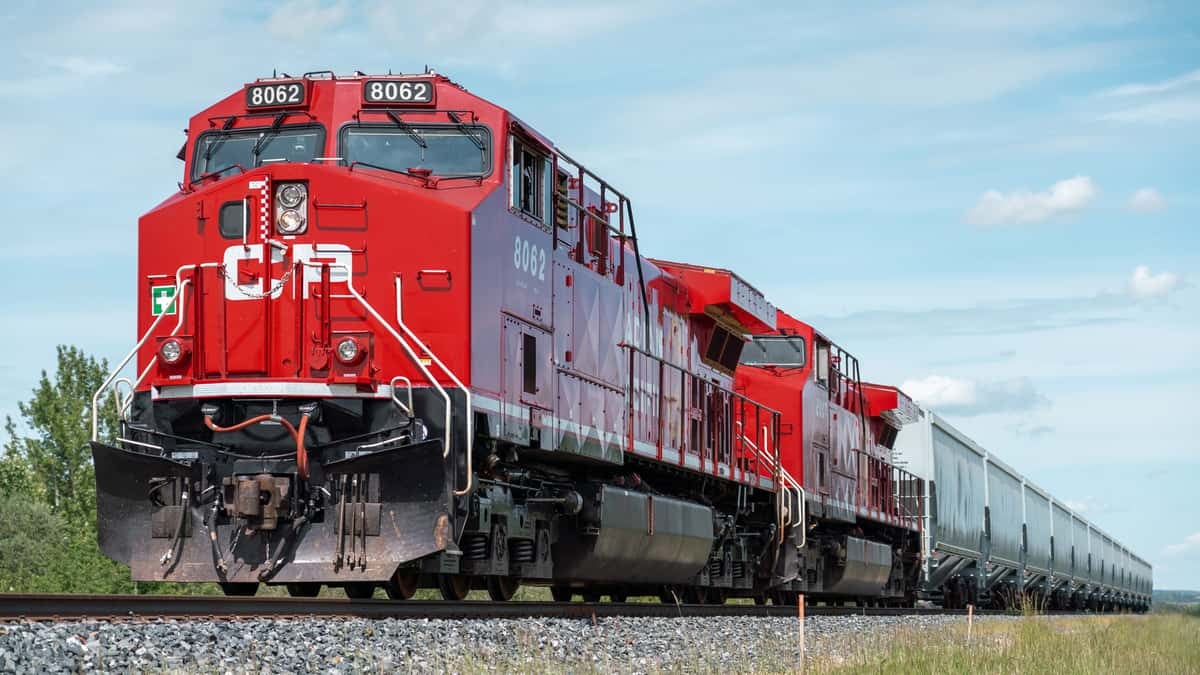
{"x": 82, "y": 67}
{"x": 1065, "y": 196}
{"x": 1147, "y": 200}
{"x": 1144, "y": 88}
{"x": 1145, "y": 285}
{"x": 1088, "y": 504}
{"x": 497, "y": 34}
{"x": 1180, "y": 109}
{"x": 971, "y": 397}
{"x": 299, "y": 19}
{"x": 1189, "y": 543}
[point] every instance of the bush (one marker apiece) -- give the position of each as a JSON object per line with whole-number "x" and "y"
{"x": 41, "y": 553}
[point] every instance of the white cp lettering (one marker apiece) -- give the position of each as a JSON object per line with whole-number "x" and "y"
{"x": 338, "y": 256}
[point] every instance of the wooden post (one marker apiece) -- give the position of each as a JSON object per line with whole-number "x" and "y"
{"x": 800, "y": 613}
{"x": 970, "y": 620}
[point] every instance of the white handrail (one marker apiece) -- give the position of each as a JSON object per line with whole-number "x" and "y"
{"x": 180, "y": 287}
{"x": 424, "y": 371}
{"x": 409, "y": 408}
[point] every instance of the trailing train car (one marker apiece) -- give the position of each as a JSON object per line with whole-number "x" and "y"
{"x": 391, "y": 336}
{"x": 992, "y": 537}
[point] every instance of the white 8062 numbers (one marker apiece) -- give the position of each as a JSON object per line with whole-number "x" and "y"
{"x": 279, "y": 94}
{"x": 529, "y": 258}
{"x": 398, "y": 91}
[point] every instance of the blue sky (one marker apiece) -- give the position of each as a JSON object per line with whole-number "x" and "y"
{"x": 994, "y": 205}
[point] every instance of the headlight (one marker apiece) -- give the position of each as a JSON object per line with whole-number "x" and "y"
{"x": 347, "y": 350}
{"x": 171, "y": 351}
{"x": 291, "y": 207}
{"x": 291, "y": 221}
{"x": 291, "y": 194}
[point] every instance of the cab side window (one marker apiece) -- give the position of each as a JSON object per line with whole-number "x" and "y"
{"x": 529, "y": 169}
{"x": 821, "y": 372}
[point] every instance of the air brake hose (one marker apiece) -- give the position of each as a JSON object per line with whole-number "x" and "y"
{"x": 297, "y": 435}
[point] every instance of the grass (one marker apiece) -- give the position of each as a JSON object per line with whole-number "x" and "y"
{"x": 1032, "y": 644}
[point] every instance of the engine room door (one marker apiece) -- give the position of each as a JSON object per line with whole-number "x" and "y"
{"x": 525, "y": 373}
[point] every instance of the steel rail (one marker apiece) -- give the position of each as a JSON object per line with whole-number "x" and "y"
{"x": 54, "y": 607}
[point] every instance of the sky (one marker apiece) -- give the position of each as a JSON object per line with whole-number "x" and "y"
{"x": 994, "y": 206}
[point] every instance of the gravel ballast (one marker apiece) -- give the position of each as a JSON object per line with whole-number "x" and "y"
{"x": 495, "y": 645}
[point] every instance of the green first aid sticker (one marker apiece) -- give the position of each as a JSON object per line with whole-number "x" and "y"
{"x": 162, "y": 300}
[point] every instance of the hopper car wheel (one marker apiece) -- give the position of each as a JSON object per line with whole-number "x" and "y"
{"x": 620, "y": 595}
{"x": 402, "y": 585}
{"x": 359, "y": 591}
{"x": 240, "y": 589}
{"x": 669, "y": 596}
{"x": 502, "y": 589}
{"x": 590, "y": 596}
{"x": 454, "y": 586}
{"x": 716, "y": 596}
{"x": 760, "y": 599}
{"x": 561, "y": 593}
{"x": 304, "y": 590}
{"x": 694, "y": 595}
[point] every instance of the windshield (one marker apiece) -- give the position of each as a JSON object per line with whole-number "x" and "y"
{"x": 444, "y": 150}
{"x": 774, "y": 350}
{"x": 222, "y": 152}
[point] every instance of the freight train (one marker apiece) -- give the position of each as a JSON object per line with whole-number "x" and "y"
{"x": 390, "y": 336}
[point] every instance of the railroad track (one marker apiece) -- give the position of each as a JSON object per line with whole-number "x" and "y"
{"x": 23, "y": 607}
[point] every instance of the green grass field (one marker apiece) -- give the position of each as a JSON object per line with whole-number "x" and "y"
{"x": 1157, "y": 643}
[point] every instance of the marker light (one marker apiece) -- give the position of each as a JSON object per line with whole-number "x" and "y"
{"x": 171, "y": 351}
{"x": 348, "y": 351}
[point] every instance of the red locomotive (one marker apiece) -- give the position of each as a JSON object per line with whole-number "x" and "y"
{"x": 390, "y": 335}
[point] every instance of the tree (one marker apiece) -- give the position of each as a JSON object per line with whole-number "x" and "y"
{"x": 48, "y": 489}
{"x": 59, "y": 422}
{"x": 16, "y": 478}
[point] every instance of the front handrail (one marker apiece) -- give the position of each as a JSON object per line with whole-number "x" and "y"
{"x": 793, "y": 498}
{"x": 421, "y": 366}
{"x": 179, "y": 298}
{"x": 408, "y": 410}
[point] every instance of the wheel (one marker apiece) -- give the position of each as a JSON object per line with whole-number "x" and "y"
{"x": 402, "y": 585}
{"x": 240, "y": 589}
{"x": 561, "y": 593}
{"x": 454, "y": 586}
{"x": 304, "y": 590}
{"x": 590, "y": 596}
{"x": 668, "y": 596}
{"x": 760, "y": 599}
{"x": 715, "y": 596}
{"x": 620, "y": 595}
{"x": 502, "y": 589}
{"x": 359, "y": 591}
{"x": 694, "y": 595}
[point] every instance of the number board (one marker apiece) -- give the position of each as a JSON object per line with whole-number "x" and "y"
{"x": 276, "y": 95}
{"x": 405, "y": 92}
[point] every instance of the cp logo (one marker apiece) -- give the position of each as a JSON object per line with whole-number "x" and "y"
{"x": 251, "y": 256}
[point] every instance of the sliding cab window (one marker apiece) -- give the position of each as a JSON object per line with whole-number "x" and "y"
{"x": 530, "y": 179}
{"x": 447, "y": 151}
{"x": 220, "y": 153}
